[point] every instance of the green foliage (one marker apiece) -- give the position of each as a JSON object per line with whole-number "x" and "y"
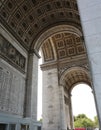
{"x": 96, "y": 124}
{"x": 80, "y": 116}
{"x": 40, "y": 120}
{"x": 82, "y": 121}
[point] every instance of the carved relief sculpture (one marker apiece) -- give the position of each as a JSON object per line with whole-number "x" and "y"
{"x": 11, "y": 54}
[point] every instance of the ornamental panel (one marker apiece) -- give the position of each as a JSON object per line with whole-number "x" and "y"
{"x": 47, "y": 51}
{"x": 68, "y": 45}
{"x": 11, "y": 54}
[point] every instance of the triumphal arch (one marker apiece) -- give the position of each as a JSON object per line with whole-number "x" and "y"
{"x": 68, "y": 34}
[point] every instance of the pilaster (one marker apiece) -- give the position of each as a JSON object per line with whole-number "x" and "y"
{"x": 53, "y": 101}
{"x": 62, "y": 109}
{"x": 71, "y": 113}
{"x": 90, "y": 12}
{"x": 31, "y": 87}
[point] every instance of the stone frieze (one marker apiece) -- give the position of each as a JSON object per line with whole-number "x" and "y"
{"x": 11, "y": 54}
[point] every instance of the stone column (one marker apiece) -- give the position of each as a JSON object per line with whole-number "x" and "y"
{"x": 53, "y": 112}
{"x": 90, "y": 12}
{"x": 68, "y": 110}
{"x": 31, "y": 87}
{"x": 62, "y": 109}
{"x": 71, "y": 113}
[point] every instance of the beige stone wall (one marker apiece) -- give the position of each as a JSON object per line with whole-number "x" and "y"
{"x": 12, "y": 74}
{"x": 55, "y": 112}
{"x": 51, "y": 103}
{"x": 12, "y": 89}
{"x": 90, "y": 12}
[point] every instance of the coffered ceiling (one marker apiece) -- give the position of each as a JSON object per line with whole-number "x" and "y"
{"x": 75, "y": 76}
{"x": 67, "y": 52}
{"x": 28, "y": 19}
{"x": 63, "y": 46}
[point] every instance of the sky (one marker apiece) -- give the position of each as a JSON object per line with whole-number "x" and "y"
{"x": 82, "y": 99}
{"x": 39, "y": 107}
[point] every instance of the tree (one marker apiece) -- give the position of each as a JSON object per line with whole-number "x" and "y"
{"x": 83, "y": 121}
{"x": 40, "y": 120}
{"x": 96, "y": 124}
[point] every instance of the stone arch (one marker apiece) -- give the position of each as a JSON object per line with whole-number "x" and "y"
{"x": 55, "y": 30}
{"x": 16, "y": 18}
{"x": 58, "y": 69}
{"x": 52, "y": 32}
{"x": 69, "y": 79}
{"x": 75, "y": 75}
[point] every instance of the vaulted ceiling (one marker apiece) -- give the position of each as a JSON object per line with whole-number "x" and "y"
{"x": 63, "y": 46}
{"x": 76, "y": 75}
{"x": 28, "y": 19}
{"x": 67, "y": 52}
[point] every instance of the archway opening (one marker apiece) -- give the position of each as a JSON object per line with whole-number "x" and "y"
{"x": 39, "y": 98}
{"x": 61, "y": 51}
{"x": 64, "y": 63}
{"x": 83, "y": 102}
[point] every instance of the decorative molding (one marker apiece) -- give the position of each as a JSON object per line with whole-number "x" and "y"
{"x": 68, "y": 45}
{"x": 49, "y": 65}
{"x": 66, "y": 100}
{"x": 64, "y": 66}
{"x": 32, "y": 52}
{"x": 47, "y": 51}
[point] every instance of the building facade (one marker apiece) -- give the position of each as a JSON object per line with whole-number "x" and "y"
{"x": 67, "y": 32}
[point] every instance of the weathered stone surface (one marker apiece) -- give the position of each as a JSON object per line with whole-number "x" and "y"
{"x": 55, "y": 27}
{"x": 12, "y": 89}
{"x": 91, "y": 22}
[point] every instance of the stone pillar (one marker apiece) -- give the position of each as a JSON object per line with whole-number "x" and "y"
{"x": 90, "y": 12}
{"x": 68, "y": 109}
{"x": 53, "y": 112}
{"x": 62, "y": 109}
{"x": 71, "y": 113}
{"x": 31, "y": 87}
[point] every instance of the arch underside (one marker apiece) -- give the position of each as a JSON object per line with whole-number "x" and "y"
{"x": 66, "y": 52}
{"x": 29, "y": 20}
{"x": 74, "y": 76}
